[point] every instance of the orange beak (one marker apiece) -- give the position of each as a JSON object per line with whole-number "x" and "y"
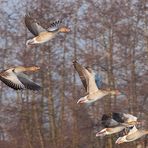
{"x": 64, "y": 29}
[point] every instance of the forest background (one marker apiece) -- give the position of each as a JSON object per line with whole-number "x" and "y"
{"x": 111, "y": 36}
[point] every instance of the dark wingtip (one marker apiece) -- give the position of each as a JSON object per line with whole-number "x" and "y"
{"x": 74, "y": 61}
{"x": 27, "y": 14}
{"x": 28, "y": 18}
{"x": 34, "y": 87}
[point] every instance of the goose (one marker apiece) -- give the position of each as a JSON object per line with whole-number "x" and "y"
{"x": 87, "y": 77}
{"x": 41, "y": 34}
{"x": 124, "y": 118}
{"x": 116, "y": 122}
{"x": 134, "y": 134}
{"x": 16, "y": 79}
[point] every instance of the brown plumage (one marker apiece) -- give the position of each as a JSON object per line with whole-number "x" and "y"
{"x": 16, "y": 79}
{"x": 134, "y": 134}
{"x": 41, "y": 34}
{"x": 87, "y": 77}
{"x": 116, "y": 122}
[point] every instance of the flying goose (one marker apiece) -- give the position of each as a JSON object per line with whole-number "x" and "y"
{"x": 126, "y": 119}
{"x": 116, "y": 122}
{"x": 134, "y": 134}
{"x": 16, "y": 79}
{"x": 110, "y": 130}
{"x": 41, "y": 34}
{"x": 87, "y": 77}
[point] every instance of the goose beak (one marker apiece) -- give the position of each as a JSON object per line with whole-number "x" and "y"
{"x": 118, "y": 92}
{"x": 37, "y": 68}
{"x": 140, "y": 122}
{"x": 64, "y": 29}
{"x": 34, "y": 68}
{"x": 68, "y": 30}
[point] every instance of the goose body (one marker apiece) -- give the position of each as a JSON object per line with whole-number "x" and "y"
{"x": 134, "y": 134}
{"x": 16, "y": 79}
{"x": 116, "y": 122}
{"x": 41, "y": 38}
{"x": 41, "y": 34}
{"x": 87, "y": 77}
{"x": 110, "y": 130}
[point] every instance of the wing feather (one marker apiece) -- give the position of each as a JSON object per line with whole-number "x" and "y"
{"x": 92, "y": 86}
{"x": 12, "y": 81}
{"x": 33, "y": 26}
{"x": 29, "y": 84}
{"x": 129, "y": 118}
{"x": 55, "y": 25}
{"x": 87, "y": 77}
{"x": 107, "y": 121}
{"x": 82, "y": 74}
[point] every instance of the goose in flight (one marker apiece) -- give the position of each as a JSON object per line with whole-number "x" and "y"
{"x": 16, "y": 79}
{"x": 116, "y": 122}
{"x": 41, "y": 34}
{"x": 126, "y": 119}
{"x": 134, "y": 134}
{"x": 87, "y": 77}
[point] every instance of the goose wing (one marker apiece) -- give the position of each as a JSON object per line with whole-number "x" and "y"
{"x": 118, "y": 117}
{"x": 87, "y": 77}
{"x": 133, "y": 134}
{"x": 82, "y": 74}
{"x": 12, "y": 81}
{"x": 129, "y": 118}
{"x": 92, "y": 87}
{"x": 54, "y": 26}
{"x": 133, "y": 130}
{"x": 137, "y": 134}
{"x": 33, "y": 26}
{"x": 29, "y": 84}
{"x": 107, "y": 121}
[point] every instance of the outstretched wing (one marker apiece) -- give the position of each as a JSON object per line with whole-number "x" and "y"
{"x": 55, "y": 25}
{"x": 87, "y": 77}
{"x": 107, "y": 121}
{"x": 12, "y": 81}
{"x": 118, "y": 117}
{"x": 129, "y": 118}
{"x": 92, "y": 87}
{"x": 33, "y": 26}
{"x": 29, "y": 84}
{"x": 131, "y": 134}
{"x": 82, "y": 73}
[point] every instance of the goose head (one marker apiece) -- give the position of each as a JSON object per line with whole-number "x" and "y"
{"x": 64, "y": 30}
{"x": 115, "y": 92}
{"x": 33, "y": 68}
{"x": 22, "y": 68}
{"x": 132, "y": 123}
